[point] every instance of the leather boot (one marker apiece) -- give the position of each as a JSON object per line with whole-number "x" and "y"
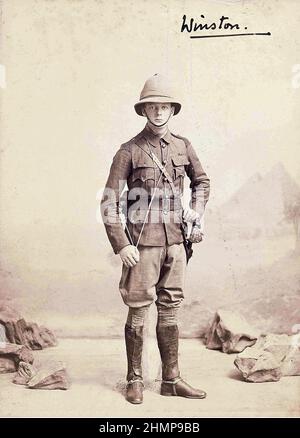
{"x": 173, "y": 384}
{"x": 134, "y": 347}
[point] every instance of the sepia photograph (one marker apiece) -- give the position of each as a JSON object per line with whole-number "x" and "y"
{"x": 149, "y": 211}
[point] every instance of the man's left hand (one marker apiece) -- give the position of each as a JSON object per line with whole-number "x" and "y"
{"x": 196, "y": 235}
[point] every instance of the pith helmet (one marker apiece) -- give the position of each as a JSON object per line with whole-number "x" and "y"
{"x": 157, "y": 89}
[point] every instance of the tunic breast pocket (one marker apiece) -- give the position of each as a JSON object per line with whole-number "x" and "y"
{"x": 179, "y": 162}
{"x": 143, "y": 176}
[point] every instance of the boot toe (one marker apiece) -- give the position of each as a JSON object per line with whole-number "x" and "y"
{"x": 134, "y": 392}
{"x": 180, "y": 388}
{"x": 198, "y": 393}
{"x": 186, "y": 390}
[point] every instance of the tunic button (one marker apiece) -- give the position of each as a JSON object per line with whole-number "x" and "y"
{"x": 164, "y": 162}
{"x": 165, "y": 212}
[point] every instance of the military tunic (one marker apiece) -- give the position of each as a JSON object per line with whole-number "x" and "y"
{"x": 133, "y": 165}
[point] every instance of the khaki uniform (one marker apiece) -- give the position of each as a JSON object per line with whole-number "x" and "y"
{"x": 162, "y": 256}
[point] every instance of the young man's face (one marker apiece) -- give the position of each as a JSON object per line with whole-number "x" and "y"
{"x": 158, "y": 113}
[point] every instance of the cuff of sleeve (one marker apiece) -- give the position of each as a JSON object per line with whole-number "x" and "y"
{"x": 120, "y": 248}
{"x": 121, "y": 244}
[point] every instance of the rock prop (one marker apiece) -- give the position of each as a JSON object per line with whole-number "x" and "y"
{"x": 272, "y": 357}
{"x": 291, "y": 364}
{"x": 11, "y": 355}
{"x": 258, "y": 366}
{"x": 25, "y": 373}
{"x": 230, "y": 333}
{"x": 18, "y": 331}
{"x": 2, "y": 334}
{"x": 51, "y": 376}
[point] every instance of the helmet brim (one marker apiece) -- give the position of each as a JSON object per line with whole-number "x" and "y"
{"x": 156, "y": 99}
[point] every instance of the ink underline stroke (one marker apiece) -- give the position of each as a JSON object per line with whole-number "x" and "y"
{"x": 229, "y": 35}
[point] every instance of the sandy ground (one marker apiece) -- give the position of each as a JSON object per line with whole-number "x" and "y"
{"x": 97, "y": 370}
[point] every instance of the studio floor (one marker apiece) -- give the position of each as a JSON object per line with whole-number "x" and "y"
{"x": 97, "y": 369}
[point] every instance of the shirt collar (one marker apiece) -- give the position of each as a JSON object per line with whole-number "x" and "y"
{"x": 155, "y": 139}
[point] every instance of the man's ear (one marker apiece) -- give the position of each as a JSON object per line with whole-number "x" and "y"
{"x": 172, "y": 109}
{"x": 143, "y": 111}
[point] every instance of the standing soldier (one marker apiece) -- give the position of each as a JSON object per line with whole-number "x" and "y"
{"x": 152, "y": 245}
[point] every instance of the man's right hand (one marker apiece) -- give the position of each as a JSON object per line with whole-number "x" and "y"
{"x": 130, "y": 255}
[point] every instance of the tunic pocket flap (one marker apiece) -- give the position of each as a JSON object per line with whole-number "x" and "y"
{"x": 143, "y": 173}
{"x": 180, "y": 160}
